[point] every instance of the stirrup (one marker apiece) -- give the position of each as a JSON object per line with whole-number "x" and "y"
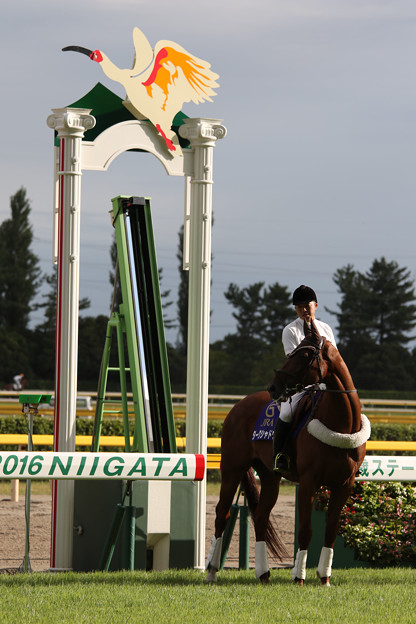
{"x": 281, "y": 463}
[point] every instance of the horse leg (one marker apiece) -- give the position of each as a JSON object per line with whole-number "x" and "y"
{"x": 337, "y": 501}
{"x": 268, "y": 497}
{"x": 305, "y": 499}
{"x": 229, "y": 484}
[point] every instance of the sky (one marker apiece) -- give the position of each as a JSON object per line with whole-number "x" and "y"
{"x": 317, "y": 168}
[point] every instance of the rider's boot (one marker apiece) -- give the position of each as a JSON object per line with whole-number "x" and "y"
{"x": 281, "y": 462}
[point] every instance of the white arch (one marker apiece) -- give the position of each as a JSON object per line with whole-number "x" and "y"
{"x": 71, "y": 157}
{"x": 98, "y": 155}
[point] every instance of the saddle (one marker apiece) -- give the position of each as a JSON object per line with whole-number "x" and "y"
{"x": 304, "y": 413}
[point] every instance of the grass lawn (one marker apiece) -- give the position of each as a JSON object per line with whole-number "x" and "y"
{"x": 355, "y": 596}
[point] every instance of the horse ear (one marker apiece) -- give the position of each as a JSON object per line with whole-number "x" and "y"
{"x": 307, "y": 330}
{"x": 316, "y": 336}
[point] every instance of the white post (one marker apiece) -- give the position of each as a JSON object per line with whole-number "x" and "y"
{"x": 70, "y": 124}
{"x": 202, "y": 134}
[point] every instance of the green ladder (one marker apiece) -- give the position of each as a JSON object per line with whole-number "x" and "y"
{"x": 116, "y": 323}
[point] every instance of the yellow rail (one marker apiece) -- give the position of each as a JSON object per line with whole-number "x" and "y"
{"x": 39, "y": 439}
{"x": 20, "y": 439}
{"x": 213, "y": 459}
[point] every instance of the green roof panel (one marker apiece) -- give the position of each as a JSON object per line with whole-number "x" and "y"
{"x": 109, "y": 110}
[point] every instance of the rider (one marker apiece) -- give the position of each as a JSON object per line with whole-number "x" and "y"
{"x": 305, "y": 302}
{"x": 18, "y": 381}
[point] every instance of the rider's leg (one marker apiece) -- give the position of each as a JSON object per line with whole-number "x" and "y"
{"x": 281, "y": 432}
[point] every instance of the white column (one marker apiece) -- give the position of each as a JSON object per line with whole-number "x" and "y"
{"x": 70, "y": 124}
{"x": 202, "y": 134}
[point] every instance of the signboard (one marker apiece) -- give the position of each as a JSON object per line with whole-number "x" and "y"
{"x": 129, "y": 466}
{"x": 383, "y": 468}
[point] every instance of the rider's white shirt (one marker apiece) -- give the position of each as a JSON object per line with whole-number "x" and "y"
{"x": 293, "y": 334}
{"x": 17, "y": 382}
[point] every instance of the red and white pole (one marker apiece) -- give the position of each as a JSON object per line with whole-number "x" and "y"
{"x": 70, "y": 125}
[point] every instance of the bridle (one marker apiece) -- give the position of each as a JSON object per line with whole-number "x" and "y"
{"x": 288, "y": 390}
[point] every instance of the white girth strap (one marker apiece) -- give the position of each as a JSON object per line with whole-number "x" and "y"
{"x": 325, "y": 562}
{"x": 299, "y": 569}
{"x": 214, "y": 554}
{"x": 340, "y": 440}
{"x": 261, "y": 558}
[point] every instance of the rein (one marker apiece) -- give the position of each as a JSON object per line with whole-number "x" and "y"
{"x": 342, "y": 391}
{"x": 314, "y": 387}
{"x": 300, "y": 387}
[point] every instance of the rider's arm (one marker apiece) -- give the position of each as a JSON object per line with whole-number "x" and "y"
{"x": 290, "y": 339}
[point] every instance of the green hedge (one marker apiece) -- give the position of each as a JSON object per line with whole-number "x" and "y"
{"x": 378, "y": 522}
{"x": 110, "y": 426}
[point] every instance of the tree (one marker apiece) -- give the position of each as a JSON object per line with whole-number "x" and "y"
{"x": 278, "y": 311}
{"x": 261, "y": 312}
{"x": 20, "y": 274}
{"x": 378, "y": 304}
{"x": 247, "y": 303}
{"x": 392, "y": 300}
{"x": 92, "y": 333}
{"x": 247, "y": 357}
{"x": 376, "y": 316}
{"x": 166, "y": 303}
{"x": 43, "y": 338}
{"x": 49, "y": 305}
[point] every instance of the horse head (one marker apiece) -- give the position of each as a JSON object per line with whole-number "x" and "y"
{"x": 304, "y": 366}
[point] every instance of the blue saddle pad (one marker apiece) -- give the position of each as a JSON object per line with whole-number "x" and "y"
{"x": 266, "y": 422}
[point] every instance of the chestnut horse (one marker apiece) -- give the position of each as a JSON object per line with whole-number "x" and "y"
{"x": 328, "y": 450}
{"x": 11, "y": 386}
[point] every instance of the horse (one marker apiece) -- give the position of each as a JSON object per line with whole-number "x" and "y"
{"x": 327, "y": 451}
{"x": 11, "y": 386}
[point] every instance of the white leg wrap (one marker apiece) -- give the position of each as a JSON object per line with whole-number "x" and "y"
{"x": 262, "y": 561}
{"x": 214, "y": 554}
{"x": 299, "y": 569}
{"x": 325, "y": 562}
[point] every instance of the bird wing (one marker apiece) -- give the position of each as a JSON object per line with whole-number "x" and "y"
{"x": 143, "y": 52}
{"x": 177, "y": 70}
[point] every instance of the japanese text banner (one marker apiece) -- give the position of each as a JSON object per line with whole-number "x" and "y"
{"x": 383, "y": 468}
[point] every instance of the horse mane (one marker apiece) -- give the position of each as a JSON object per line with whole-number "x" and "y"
{"x": 313, "y": 338}
{"x": 331, "y": 354}
{"x": 337, "y": 370}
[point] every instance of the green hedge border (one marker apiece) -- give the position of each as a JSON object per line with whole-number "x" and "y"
{"x": 112, "y": 426}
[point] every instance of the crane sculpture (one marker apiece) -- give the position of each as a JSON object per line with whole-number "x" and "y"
{"x": 159, "y": 82}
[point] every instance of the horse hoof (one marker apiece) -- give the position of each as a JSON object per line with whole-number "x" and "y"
{"x": 211, "y": 576}
{"x": 324, "y": 580}
{"x": 298, "y": 581}
{"x": 265, "y": 578}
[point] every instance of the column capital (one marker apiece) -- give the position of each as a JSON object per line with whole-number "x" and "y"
{"x": 202, "y": 132}
{"x": 71, "y": 121}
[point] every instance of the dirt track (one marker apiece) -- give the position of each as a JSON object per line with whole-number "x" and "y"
{"x": 12, "y": 532}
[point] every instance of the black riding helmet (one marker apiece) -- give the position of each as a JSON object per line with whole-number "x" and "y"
{"x": 304, "y": 294}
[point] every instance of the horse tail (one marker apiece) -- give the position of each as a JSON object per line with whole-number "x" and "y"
{"x": 273, "y": 541}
